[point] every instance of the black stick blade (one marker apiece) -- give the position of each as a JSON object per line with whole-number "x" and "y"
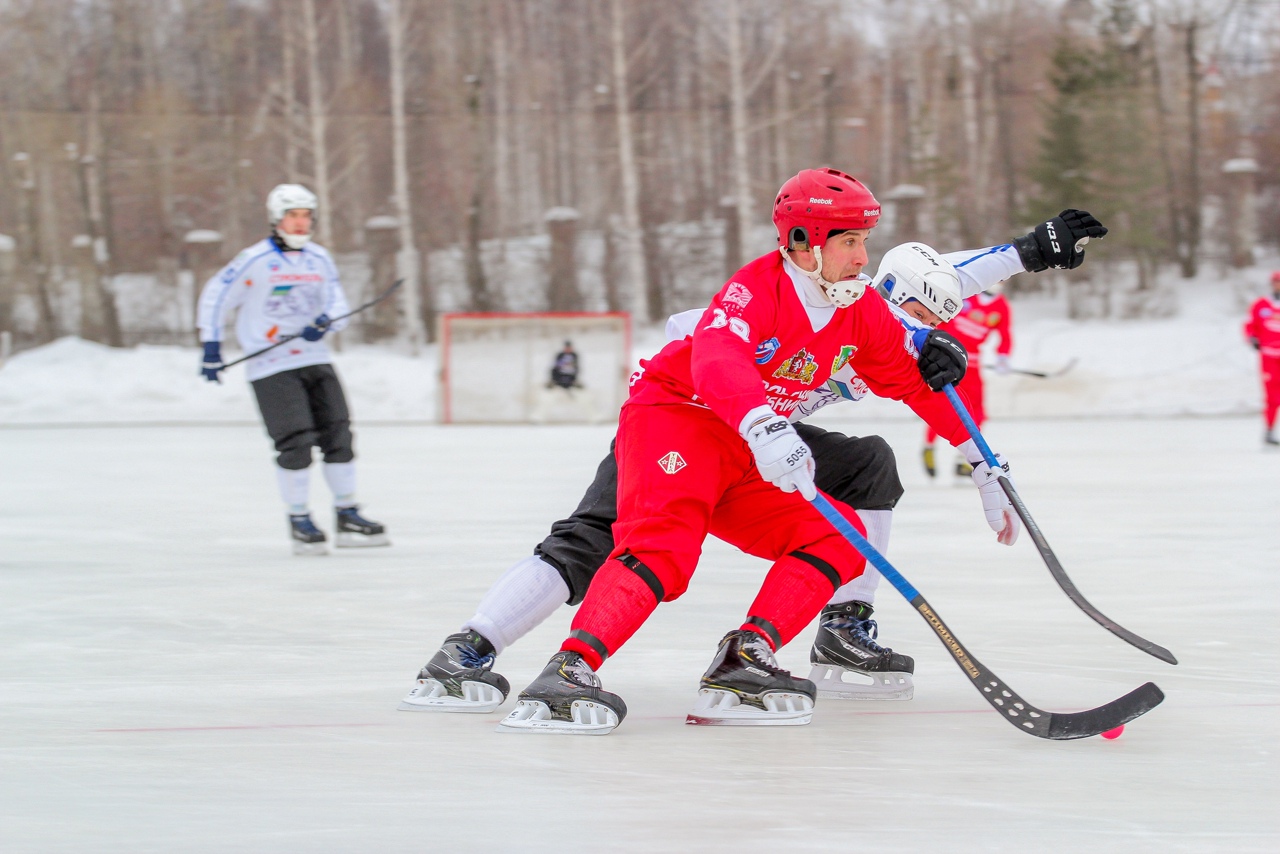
{"x": 1026, "y": 717}
{"x": 1104, "y": 718}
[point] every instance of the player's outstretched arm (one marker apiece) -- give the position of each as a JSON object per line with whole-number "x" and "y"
{"x": 1059, "y": 242}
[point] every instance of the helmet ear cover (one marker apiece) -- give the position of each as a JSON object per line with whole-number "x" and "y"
{"x": 798, "y": 239}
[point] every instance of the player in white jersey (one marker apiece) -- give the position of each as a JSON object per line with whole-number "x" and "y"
{"x": 924, "y": 288}
{"x": 285, "y": 286}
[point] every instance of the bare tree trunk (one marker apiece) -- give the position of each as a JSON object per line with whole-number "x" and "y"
{"x": 290, "y": 106}
{"x": 738, "y": 122}
{"x": 91, "y": 200}
{"x": 31, "y": 236}
{"x": 407, "y": 264}
{"x": 319, "y": 122}
{"x": 1190, "y": 260}
{"x": 635, "y": 279}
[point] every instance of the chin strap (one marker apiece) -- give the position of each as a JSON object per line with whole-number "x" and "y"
{"x": 288, "y": 242}
{"x": 840, "y": 294}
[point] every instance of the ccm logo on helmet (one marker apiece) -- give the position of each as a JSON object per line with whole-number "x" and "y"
{"x": 821, "y": 202}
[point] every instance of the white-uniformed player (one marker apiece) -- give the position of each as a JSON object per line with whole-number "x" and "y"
{"x": 282, "y": 286}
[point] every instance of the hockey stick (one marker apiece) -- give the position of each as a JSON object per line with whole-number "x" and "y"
{"x": 1044, "y": 375}
{"x": 1058, "y": 726}
{"x": 286, "y": 339}
{"x": 1051, "y": 560}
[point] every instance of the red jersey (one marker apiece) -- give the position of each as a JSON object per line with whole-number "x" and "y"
{"x": 1264, "y": 325}
{"x": 757, "y": 344}
{"x": 980, "y": 316}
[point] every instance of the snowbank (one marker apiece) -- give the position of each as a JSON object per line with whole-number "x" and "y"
{"x": 1192, "y": 364}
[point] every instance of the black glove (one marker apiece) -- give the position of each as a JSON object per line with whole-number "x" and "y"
{"x": 942, "y": 359}
{"x": 1057, "y": 242}
{"x": 1253, "y": 342}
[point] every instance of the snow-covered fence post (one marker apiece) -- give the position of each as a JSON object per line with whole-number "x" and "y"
{"x": 8, "y": 266}
{"x": 1242, "y": 219}
{"x": 382, "y": 241}
{"x": 732, "y": 235}
{"x": 91, "y": 326}
{"x": 563, "y": 292}
{"x": 908, "y": 202}
{"x": 201, "y": 258}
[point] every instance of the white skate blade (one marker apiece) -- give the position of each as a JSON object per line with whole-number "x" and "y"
{"x": 354, "y": 540}
{"x": 723, "y": 708}
{"x": 534, "y": 716}
{"x": 309, "y": 549}
{"x": 838, "y": 683}
{"x": 431, "y": 696}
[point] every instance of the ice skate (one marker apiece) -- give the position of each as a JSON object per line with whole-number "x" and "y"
{"x": 964, "y": 471}
{"x": 459, "y": 678}
{"x": 353, "y": 531}
{"x": 1269, "y": 438}
{"x": 930, "y": 466}
{"x": 307, "y": 538}
{"x": 848, "y": 664}
{"x": 566, "y": 699}
{"x": 745, "y": 687}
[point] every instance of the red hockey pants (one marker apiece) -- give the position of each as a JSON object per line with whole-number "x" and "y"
{"x": 683, "y": 473}
{"x": 1270, "y": 389}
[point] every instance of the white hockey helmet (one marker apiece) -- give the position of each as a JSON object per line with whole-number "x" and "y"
{"x": 289, "y": 197}
{"x": 915, "y": 271}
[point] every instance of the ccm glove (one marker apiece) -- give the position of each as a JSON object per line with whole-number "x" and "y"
{"x": 942, "y": 359}
{"x": 1059, "y": 242}
{"x": 781, "y": 455}
{"x": 995, "y": 504}
{"x": 317, "y": 330}
{"x": 212, "y": 363}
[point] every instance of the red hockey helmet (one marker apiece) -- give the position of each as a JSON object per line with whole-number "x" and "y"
{"x": 818, "y": 201}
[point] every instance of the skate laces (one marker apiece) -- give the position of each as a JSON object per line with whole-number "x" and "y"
{"x": 580, "y": 672}
{"x": 304, "y": 524}
{"x": 755, "y": 647}
{"x": 470, "y": 657}
{"x": 865, "y": 631}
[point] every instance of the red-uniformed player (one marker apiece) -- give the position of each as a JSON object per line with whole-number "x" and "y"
{"x": 982, "y": 316}
{"x": 1262, "y": 330}
{"x": 704, "y": 440}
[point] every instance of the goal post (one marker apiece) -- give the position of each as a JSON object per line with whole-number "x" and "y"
{"x": 496, "y": 368}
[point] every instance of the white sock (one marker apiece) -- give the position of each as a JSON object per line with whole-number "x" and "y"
{"x": 523, "y": 597}
{"x": 341, "y": 478}
{"x": 863, "y": 588}
{"x": 294, "y": 485}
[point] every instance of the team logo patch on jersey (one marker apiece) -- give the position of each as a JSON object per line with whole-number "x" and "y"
{"x": 801, "y": 367}
{"x": 1264, "y": 312}
{"x": 842, "y": 358}
{"x": 672, "y": 463}
{"x": 767, "y": 350}
{"x": 737, "y": 294}
{"x": 281, "y": 290}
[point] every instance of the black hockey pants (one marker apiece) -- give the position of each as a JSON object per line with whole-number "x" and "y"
{"x": 861, "y": 472}
{"x": 305, "y": 407}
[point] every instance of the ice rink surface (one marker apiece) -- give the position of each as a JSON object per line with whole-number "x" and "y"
{"x": 172, "y": 680}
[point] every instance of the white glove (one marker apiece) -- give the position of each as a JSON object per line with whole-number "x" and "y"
{"x": 995, "y": 504}
{"x": 1002, "y": 365}
{"x": 781, "y": 455}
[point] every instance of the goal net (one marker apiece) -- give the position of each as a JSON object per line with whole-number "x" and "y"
{"x": 540, "y": 367}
